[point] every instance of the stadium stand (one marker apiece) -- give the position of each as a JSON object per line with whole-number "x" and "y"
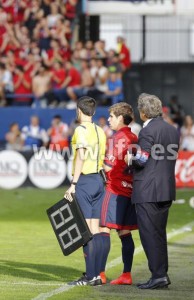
{"x": 36, "y": 43}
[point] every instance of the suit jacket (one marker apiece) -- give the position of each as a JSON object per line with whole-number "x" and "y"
{"x": 154, "y": 166}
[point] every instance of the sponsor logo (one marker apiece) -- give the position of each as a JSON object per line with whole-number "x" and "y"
{"x": 13, "y": 169}
{"x": 47, "y": 173}
{"x": 185, "y": 169}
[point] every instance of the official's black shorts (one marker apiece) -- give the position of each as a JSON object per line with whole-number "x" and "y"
{"x": 89, "y": 194}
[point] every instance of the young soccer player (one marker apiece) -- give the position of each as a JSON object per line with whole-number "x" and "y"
{"x": 117, "y": 211}
{"x": 88, "y": 145}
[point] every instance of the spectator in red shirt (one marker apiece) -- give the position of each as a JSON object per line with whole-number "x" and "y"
{"x": 124, "y": 54}
{"x": 7, "y": 5}
{"x": 22, "y": 86}
{"x": 53, "y": 54}
{"x": 9, "y": 41}
{"x": 62, "y": 32}
{"x": 16, "y": 9}
{"x": 70, "y": 7}
{"x": 59, "y": 75}
{"x": 30, "y": 65}
{"x": 26, "y": 29}
{"x": 72, "y": 79}
{"x": 3, "y": 31}
{"x": 86, "y": 83}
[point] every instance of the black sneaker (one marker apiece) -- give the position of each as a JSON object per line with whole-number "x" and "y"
{"x": 98, "y": 280}
{"x": 84, "y": 281}
{"x": 95, "y": 281}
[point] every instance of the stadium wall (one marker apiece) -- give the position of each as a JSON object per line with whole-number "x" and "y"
{"x": 163, "y": 80}
{"x": 22, "y": 115}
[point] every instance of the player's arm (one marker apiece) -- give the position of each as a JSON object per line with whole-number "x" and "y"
{"x": 140, "y": 159}
{"x": 110, "y": 156}
{"x": 106, "y": 168}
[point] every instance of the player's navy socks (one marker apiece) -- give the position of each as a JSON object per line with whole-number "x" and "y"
{"x": 128, "y": 248}
{"x": 99, "y": 252}
{"x": 89, "y": 254}
{"x": 106, "y": 249}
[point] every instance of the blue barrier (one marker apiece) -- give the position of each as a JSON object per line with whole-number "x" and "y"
{"x": 22, "y": 115}
{"x": 15, "y": 96}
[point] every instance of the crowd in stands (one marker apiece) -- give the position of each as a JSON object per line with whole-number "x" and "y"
{"x": 175, "y": 115}
{"x": 57, "y": 137}
{"x": 41, "y": 65}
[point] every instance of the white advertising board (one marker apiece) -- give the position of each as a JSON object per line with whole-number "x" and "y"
{"x": 140, "y": 7}
{"x": 47, "y": 169}
{"x": 13, "y": 169}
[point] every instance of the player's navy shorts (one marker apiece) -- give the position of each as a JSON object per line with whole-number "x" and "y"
{"x": 118, "y": 212}
{"x": 89, "y": 193}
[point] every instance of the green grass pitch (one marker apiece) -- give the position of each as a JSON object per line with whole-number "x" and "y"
{"x": 32, "y": 265}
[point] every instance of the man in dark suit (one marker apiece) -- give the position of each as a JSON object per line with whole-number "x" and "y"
{"x": 154, "y": 186}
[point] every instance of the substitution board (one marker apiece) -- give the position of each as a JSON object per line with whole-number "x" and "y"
{"x": 69, "y": 225}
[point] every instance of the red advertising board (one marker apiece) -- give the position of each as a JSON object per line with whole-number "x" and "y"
{"x": 185, "y": 169}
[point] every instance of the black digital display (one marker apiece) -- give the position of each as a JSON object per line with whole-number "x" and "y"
{"x": 69, "y": 225}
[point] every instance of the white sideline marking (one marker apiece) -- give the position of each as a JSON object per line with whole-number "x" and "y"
{"x": 113, "y": 263}
{"x": 60, "y": 290}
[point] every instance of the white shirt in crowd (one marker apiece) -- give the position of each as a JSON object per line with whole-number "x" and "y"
{"x": 102, "y": 71}
{"x": 7, "y": 80}
{"x": 35, "y": 132}
{"x": 187, "y": 138}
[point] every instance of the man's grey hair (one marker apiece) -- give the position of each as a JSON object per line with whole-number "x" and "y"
{"x": 150, "y": 105}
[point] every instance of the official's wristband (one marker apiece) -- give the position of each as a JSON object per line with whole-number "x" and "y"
{"x": 74, "y": 183}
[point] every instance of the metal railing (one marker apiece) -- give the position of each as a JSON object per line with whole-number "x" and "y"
{"x": 152, "y": 38}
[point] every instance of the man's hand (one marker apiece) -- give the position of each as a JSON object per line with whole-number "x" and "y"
{"x": 68, "y": 193}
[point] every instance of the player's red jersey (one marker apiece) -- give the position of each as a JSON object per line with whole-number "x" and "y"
{"x": 118, "y": 180}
